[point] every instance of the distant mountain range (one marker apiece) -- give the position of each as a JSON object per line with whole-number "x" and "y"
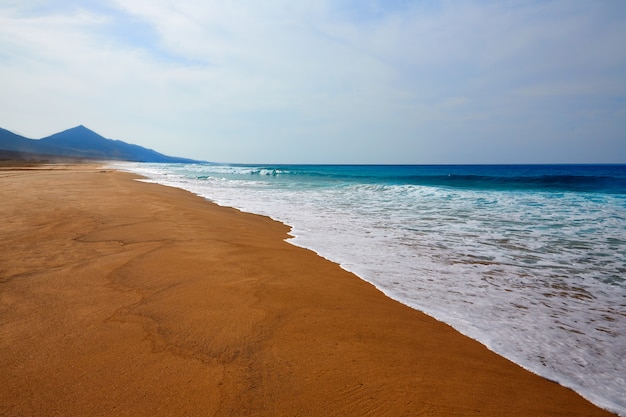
{"x": 78, "y": 142}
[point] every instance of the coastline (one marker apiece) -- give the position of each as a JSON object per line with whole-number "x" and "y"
{"x": 131, "y": 298}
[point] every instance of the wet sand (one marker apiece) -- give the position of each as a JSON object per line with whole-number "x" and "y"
{"x": 124, "y": 298}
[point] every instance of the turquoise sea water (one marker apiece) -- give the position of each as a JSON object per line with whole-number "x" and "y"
{"x": 529, "y": 260}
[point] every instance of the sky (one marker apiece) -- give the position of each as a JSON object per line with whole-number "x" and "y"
{"x": 324, "y": 81}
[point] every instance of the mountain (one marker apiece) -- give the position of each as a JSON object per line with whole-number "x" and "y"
{"x": 80, "y": 142}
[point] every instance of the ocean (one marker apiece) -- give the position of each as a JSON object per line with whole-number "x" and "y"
{"x": 529, "y": 260}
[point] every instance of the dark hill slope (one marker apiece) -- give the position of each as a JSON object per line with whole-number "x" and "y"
{"x": 9, "y": 141}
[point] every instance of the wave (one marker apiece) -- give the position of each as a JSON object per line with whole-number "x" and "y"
{"x": 609, "y": 179}
{"x": 575, "y": 183}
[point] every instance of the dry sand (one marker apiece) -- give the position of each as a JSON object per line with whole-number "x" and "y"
{"x": 121, "y": 298}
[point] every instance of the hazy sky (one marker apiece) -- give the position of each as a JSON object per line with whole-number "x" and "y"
{"x": 323, "y": 81}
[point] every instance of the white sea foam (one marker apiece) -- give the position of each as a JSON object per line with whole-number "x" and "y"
{"x": 536, "y": 277}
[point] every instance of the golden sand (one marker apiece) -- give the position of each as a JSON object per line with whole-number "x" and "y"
{"x": 121, "y": 298}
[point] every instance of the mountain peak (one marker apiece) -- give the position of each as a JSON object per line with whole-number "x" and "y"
{"x": 77, "y": 137}
{"x": 80, "y": 129}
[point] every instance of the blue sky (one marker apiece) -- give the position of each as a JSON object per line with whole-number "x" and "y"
{"x": 320, "y": 81}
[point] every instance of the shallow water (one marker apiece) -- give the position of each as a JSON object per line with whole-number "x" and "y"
{"x": 529, "y": 260}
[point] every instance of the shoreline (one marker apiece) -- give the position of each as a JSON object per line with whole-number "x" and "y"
{"x": 133, "y": 298}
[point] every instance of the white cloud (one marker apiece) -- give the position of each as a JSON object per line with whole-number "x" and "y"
{"x": 239, "y": 80}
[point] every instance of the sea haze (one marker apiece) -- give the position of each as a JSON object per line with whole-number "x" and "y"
{"x": 529, "y": 260}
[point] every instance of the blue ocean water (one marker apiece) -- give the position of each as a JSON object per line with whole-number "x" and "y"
{"x": 529, "y": 260}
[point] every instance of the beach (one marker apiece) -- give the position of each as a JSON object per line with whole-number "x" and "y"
{"x": 119, "y": 297}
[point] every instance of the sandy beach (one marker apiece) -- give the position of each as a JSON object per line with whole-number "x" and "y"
{"x": 122, "y": 298}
